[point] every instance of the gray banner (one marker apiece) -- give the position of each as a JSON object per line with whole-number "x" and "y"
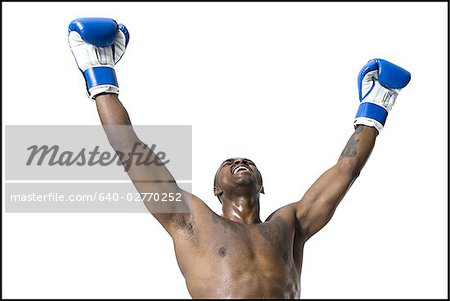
{"x": 90, "y": 168}
{"x": 84, "y": 152}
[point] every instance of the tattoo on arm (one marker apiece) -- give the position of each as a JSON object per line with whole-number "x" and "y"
{"x": 352, "y": 144}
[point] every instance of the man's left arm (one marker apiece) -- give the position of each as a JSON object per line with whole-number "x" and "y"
{"x": 320, "y": 201}
{"x": 379, "y": 83}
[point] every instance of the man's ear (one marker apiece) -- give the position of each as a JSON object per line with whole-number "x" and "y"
{"x": 218, "y": 192}
{"x": 262, "y": 190}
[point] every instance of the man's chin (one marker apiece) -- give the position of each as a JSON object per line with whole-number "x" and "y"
{"x": 244, "y": 179}
{"x": 244, "y": 184}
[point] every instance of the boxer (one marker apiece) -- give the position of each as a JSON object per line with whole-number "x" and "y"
{"x": 235, "y": 254}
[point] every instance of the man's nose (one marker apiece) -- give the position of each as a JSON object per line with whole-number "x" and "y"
{"x": 239, "y": 161}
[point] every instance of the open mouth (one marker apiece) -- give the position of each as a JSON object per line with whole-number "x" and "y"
{"x": 240, "y": 168}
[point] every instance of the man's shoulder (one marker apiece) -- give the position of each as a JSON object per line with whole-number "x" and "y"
{"x": 286, "y": 212}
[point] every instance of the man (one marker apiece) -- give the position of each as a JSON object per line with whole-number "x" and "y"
{"x": 234, "y": 255}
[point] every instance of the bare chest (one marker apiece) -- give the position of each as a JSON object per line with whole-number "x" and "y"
{"x": 259, "y": 256}
{"x": 265, "y": 240}
{"x": 242, "y": 246}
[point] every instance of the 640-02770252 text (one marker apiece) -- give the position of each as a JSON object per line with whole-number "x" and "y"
{"x": 98, "y": 197}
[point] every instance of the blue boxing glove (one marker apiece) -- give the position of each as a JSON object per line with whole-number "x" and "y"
{"x": 97, "y": 45}
{"x": 379, "y": 83}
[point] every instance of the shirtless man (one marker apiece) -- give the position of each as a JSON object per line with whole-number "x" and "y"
{"x": 235, "y": 255}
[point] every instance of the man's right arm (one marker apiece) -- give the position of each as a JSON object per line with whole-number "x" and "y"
{"x": 98, "y": 44}
{"x": 153, "y": 178}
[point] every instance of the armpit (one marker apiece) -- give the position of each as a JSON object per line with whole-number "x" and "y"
{"x": 184, "y": 222}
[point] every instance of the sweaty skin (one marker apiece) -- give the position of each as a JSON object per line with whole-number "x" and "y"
{"x": 236, "y": 255}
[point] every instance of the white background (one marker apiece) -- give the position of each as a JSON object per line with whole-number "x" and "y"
{"x": 274, "y": 82}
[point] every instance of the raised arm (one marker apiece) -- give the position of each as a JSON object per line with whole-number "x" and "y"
{"x": 153, "y": 178}
{"x": 379, "y": 83}
{"x": 319, "y": 203}
{"x": 97, "y": 45}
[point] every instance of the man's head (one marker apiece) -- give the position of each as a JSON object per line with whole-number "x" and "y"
{"x": 238, "y": 177}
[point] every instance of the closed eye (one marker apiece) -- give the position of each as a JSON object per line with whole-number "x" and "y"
{"x": 226, "y": 162}
{"x": 250, "y": 162}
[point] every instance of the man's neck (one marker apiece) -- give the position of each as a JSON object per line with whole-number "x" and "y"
{"x": 243, "y": 210}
